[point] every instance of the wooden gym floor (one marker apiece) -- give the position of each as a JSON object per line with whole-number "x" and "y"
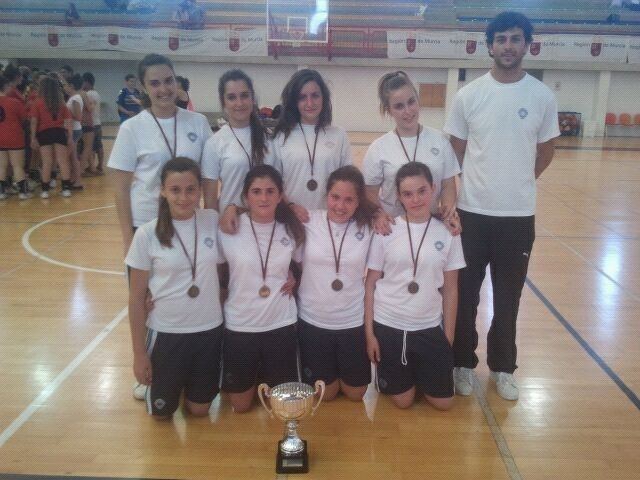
{"x": 66, "y": 376}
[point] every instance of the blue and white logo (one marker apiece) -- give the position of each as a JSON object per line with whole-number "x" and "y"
{"x": 285, "y": 241}
{"x": 439, "y": 245}
{"x": 523, "y": 112}
{"x": 360, "y": 235}
{"x": 435, "y": 151}
{"x": 159, "y": 403}
{"x": 192, "y": 136}
{"x": 209, "y": 242}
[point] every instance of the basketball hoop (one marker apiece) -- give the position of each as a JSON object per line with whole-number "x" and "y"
{"x": 296, "y": 36}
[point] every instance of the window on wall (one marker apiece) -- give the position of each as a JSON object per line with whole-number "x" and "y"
{"x": 432, "y": 94}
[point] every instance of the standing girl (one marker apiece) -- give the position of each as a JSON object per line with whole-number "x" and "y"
{"x": 76, "y": 106}
{"x": 260, "y": 333}
{"x": 331, "y": 293}
{"x": 237, "y": 147}
{"x": 409, "y": 142}
{"x": 410, "y": 312}
{"x": 175, "y": 257}
{"x": 51, "y": 133}
{"x": 306, "y": 146}
{"x": 12, "y": 118}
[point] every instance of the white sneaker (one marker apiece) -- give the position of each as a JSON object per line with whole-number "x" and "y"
{"x": 3, "y": 196}
{"x": 66, "y": 193}
{"x": 463, "y": 381}
{"x": 12, "y": 190}
{"x": 506, "y": 385}
{"x": 139, "y": 391}
{"x": 25, "y": 196}
{"x": 32, "y": 184}
{"x": 52, "y": 183}
{"x": 44, "y": 194}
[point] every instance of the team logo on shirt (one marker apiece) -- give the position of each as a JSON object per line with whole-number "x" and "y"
{"x": 285, "y": 241}
{"x": 382, "y": 383}
{"x": 209, "y": 242}
{"x": 192, "y": 136}
{"x": 439, "y": 245}
{"x": 523, "y": 112}
{"x": 159, "y": 403}
{"x": 435, "y": 151}
{"x": 360, "y": 235}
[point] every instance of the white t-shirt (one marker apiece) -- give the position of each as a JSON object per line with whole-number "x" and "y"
{"x": 170, "y": 274}
{"x": 77, "y": 98}
{"x": 503, "y": 123}
{"x": 245, "y": 310}
{"x": 318, "y": 303}
{"x": 95, "y": 96}
{"x": 385, "y": 156}
{"x": 394, "y": 306}
{"x": 141, "y": 149}
{"x": 292, "y": 159}
{"x": 224, "y": 159}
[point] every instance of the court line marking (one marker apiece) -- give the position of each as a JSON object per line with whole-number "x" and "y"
{"x": 50, "y": 389}
{"x": 585, "y": 345}
{"x": 494, "y": 427}
{"x": 27, "y": 245}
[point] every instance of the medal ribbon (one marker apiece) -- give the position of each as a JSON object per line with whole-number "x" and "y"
{"x": 195, "y": 249}
{"x": 243, "y": 149}
{"x": 264, "y": 264}
{"x": 173, "y": 152}
{"x": 336, "y": 258}
{"x": 312, "y": 158}
{"x": 415, "y": 151}
{"x": 415, "y": 259}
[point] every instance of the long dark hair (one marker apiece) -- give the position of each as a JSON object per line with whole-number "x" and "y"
{"x": 51, "y": 93}
{"x": 164, "y": 227}
{"x": 284, "y": 214}
{"x": 151, "y": 60}
{"x": 413, "y": 169}
{"x": 258, "y": 132}
{"x": 366, "y": 208}
{"x": 290, "y": 115}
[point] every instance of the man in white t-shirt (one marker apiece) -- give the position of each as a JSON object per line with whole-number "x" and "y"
{"x": 88, "y": 85}
{"x": 502, "y": 127}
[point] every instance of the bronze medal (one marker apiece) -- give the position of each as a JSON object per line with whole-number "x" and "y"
{"x": 413, "y": 287}
{"x": 193, "y": 291}
{"x": 337, "y": 285}
{"x": 312, "y": 185}
{"x": 264, "y": 291}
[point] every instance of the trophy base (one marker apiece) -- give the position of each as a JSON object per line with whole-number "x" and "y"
{"x": 298, "y": 463}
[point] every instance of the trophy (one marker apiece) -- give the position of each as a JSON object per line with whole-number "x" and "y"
{"x": 291, "y": 402}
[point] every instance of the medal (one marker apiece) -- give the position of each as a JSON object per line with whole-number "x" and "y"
{"x": 337, "y": 284}
{"x": 251, "y": 163}
{"x": 312, "y": 185}
{"x": 193, "y": 291}
{"x": 173, "y": 152}
{"x": 264, "y": 291}
{"x": 413, "y": 286}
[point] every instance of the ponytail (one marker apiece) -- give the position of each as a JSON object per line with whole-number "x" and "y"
{"x": 164, "y": 227}
{"x": 293, "y": 226}
{"x": 258, "y": 139}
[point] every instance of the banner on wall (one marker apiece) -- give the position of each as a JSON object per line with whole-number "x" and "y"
{"x": 472, "y": 45}
{"x": 215, "y": 42}
{"x": 634, "y": 50}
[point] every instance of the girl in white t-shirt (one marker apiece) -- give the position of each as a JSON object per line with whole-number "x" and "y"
{"x": 260, "y": 314}
{"x": 408, "y": 142}
{"x": 150, "y": 139}
{"x": 175, "y": 257}
{"x": 410, "y": 312}
{"x": 331, "y": 293}
{"x": 238, "y": 146}
{"x": 306, "y": 146}
{"x": 75, "y": 104}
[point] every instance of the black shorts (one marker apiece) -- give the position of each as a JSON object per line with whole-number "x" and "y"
{"x": 270, "y": 356}
{"x": 97, "y": 139}
{"x": 188, "y": 362}
{"x": 87, "y": 129}
{"x": 52, "y": 136}
{"x": 429, "y": 361}
{"x": 329, "y": 355}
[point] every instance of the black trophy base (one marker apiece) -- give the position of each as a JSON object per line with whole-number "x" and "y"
{"x": 298, "y": 463}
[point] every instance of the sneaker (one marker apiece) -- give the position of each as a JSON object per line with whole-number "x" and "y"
{"x": 32, "y": 184}
{"x": 25, "y": 196}
{"x": 3, "y": 196}
{"x": 463, "y": 381}
{"x": 139, "y": 391}
{"x": 52, "y": 183}
{"x": 505, "y": 385}
{"x": 66, "y": 193}
{"x": 12, "y": 190}
{"x": 44, "y": 194}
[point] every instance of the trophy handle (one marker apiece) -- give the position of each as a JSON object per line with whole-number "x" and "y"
{"x": 263, "y": 391}
{"x": 319, "y": 388}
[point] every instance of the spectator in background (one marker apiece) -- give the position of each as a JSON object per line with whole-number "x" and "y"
{"x": 129, "y": 102}
{"x": 189, "y": 15}
{"x": 66, "y": 72}
{"x": 14, "y": 78}
{"x": 71, "y": 15}
{"x": 88, "y": 84}
{"x": 183, "y": 100}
